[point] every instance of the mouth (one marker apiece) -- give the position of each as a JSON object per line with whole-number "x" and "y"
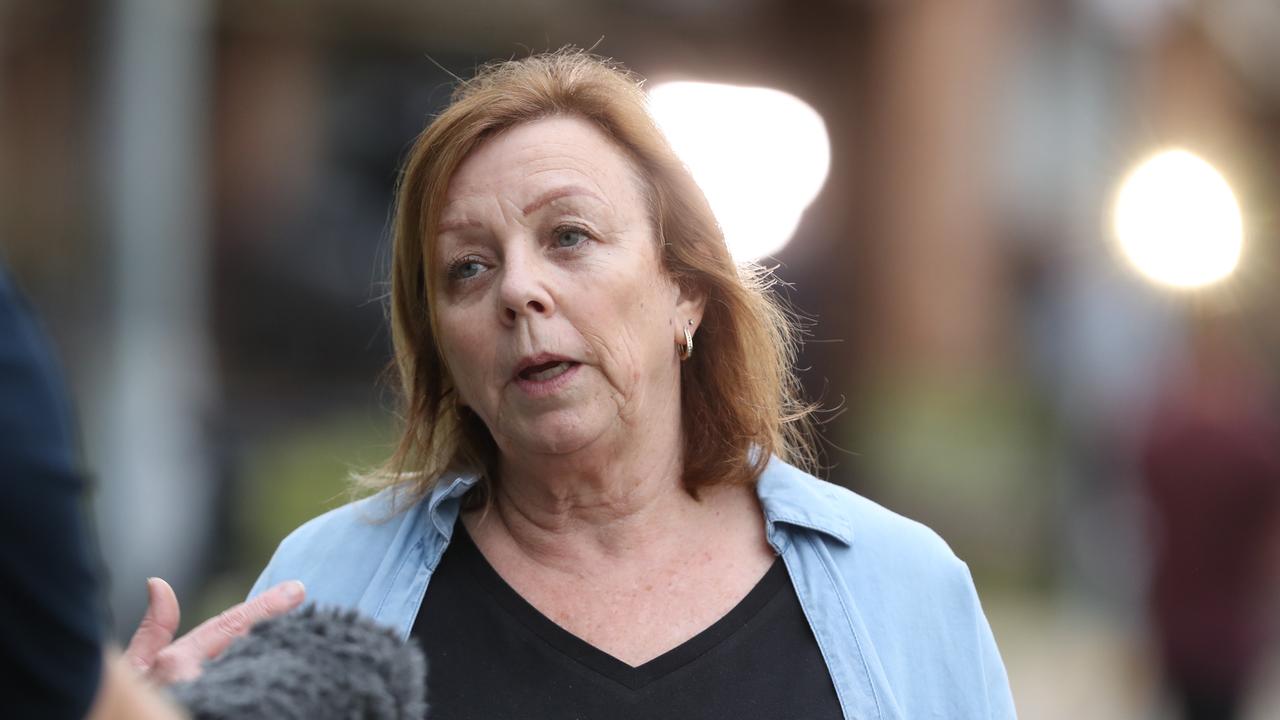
{"x": 542, "y": 368}
{"x": 546, "y": 371}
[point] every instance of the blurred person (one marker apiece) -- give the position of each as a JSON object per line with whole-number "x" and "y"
{"x": 1211, "y": 473}
{"x": 588, "y": 515}
{"x": 53, "y": 653}
{"x": 51, "y": 639}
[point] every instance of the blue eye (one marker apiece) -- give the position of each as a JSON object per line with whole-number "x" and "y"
{"x": 570, "y": 237}
{"x": 464, "y": 269}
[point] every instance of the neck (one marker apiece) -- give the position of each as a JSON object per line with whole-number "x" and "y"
{"x": 607, "y": 498}
{"x": 620, "y": 494}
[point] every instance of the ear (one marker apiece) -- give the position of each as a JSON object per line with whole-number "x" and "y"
{"x": 690, "y": 303}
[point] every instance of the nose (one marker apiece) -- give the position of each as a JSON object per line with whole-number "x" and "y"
{"x": 524, "y": 290}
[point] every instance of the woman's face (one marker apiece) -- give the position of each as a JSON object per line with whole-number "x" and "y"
{"x": 557, "y": 324}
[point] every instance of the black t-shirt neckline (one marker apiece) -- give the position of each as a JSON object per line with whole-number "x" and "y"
{"x": 579, "y": 650}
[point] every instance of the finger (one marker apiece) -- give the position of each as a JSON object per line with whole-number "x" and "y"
{"x": 212, "y": 636}
{"x": 158, "y": 625}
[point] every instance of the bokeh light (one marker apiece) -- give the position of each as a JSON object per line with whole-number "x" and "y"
{"x": 1178, "y": 221}
{"x": 760, "y": 155}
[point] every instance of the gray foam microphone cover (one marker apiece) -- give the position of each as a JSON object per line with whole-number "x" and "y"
{"x": 311, "y": 665}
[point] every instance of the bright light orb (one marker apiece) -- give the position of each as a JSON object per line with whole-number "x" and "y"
{"x": 760, "y": 156}
{"x": 1178, "y": 222}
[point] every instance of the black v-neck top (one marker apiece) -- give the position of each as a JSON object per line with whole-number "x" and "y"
{"x": 493, "y": 656}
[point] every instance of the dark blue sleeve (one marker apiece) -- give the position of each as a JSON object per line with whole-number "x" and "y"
{"x": 50, "y": 624}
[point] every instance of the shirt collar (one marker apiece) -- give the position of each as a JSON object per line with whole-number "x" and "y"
{"x": 445, "y": 500}
{"x": 793, "y": 497}
{"x": 788, "y": 495}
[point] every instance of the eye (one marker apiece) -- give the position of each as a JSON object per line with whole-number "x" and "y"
{"x": 567, "y": 237}
{"x": 465, "y": 268}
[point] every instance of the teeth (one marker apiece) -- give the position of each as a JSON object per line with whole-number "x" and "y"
{"x": 550, "y": 372}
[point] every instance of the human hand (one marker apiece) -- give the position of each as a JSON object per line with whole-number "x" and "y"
{"x": 159, "y": 658}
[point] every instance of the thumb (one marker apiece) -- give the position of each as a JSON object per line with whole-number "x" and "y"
{"x": 158, "y": 625}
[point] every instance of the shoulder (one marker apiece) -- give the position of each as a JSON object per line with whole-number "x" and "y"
{"x": 336, "y": 554}
{"x": 902, "y": 590}
{"x": 851, "y": 526}
{"x": 914, "y": 570}
{"x": 886, "y": 560}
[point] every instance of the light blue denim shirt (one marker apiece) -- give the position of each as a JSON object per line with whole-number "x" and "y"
{"x": 894, "y": 611}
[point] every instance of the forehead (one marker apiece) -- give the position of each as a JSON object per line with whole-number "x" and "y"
{"x": 531, "y": 158}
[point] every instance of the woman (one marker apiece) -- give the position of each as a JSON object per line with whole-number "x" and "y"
{"x": 591, "y": 512}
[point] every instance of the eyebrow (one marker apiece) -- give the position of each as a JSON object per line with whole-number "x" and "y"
{"x": 542, "y": 201}
{"x": 556, "y": 194}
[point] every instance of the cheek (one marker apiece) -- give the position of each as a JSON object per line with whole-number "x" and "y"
{"x": 630, "y": 324}
{"x": 469, "y": 354}
{"x": 648, "y": 306}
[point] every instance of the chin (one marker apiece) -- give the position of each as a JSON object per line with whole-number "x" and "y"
{"x": 559, "y": 434}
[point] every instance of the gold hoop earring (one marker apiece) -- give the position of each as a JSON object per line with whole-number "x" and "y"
{"x": 686, "y": 352}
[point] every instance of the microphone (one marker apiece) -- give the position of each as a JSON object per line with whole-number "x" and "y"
{"x": 311, "y": 665}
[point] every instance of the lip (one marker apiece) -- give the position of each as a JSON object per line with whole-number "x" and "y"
{"x": 529, "y": 361}
{"x": 541, "y": 388}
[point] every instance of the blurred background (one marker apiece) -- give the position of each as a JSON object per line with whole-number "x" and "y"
{"x": 1035, "y": 242}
